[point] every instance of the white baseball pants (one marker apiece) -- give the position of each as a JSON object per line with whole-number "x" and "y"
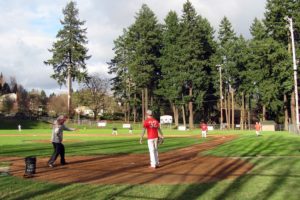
{"x": 153, "y": 151}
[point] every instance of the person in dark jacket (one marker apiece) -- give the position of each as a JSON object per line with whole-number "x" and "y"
{"x": 57, "y": 139}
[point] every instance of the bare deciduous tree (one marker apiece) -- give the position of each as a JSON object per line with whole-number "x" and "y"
{"x": 57, "y": 104}
{"x": 93, "y": 93}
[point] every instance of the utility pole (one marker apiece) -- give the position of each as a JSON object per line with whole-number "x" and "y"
{"x": 290, "y": 20}
{"x": 221, "y": 96}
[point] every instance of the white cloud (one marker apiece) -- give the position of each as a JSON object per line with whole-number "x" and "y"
{"x": 28, "y": 29}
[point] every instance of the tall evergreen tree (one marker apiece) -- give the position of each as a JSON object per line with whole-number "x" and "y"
{"x": 1, "y": 79}
{"x": 170, "y": 87}
{"x": 204, "y": 94}
{"x": 258, "y": 30}
{"x": 69, "y": 52}
{"x": 194, "y": 56}
{"x": 23, "y": 100}
{"x": 276, "y": 23}
{"x": 6, "y": 89}
{"x": 275, "y": 18}
{"x": 118, "y": 65}
{"x": 226, "y": 33}
{"x": 226, "y": 53}
{"x": 239, "y": 57}
{"x": 44, "y": 100}
{"x": 268, "y": 70}
{"x": 144, "y": 43}
{"x": 227, "y": 37}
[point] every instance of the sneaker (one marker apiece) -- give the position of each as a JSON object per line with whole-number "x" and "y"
{"x": 151, "y": 167}
{"x": 51, "y": 165}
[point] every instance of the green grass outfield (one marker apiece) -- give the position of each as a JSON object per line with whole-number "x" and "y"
{"x": 276, "y": 158}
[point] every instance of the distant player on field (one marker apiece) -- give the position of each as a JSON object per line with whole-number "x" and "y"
{"x": 204, "y": 129}
{"x": 114, "y": 131}
{"x": 257, "y": 128}
{"x": 130, "y": 129}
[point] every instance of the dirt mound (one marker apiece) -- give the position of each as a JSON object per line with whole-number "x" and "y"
{"x": 177, "y": 167}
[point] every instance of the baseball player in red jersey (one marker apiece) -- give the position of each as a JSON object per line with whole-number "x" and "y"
{"x": 204, "y": 129}
{"x": 153, "y": 132}
{"x": 257, "y": 128}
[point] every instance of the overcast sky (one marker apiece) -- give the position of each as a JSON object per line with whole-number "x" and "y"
{"x": 28, "y": 29}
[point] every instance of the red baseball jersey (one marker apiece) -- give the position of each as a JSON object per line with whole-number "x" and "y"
{"x": 257, "y": 127}
{"x": 203, "y": 127}
{"x": 152, "y": 126}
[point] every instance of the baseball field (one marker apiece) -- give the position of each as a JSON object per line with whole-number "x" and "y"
{"x": 225, "y": 165}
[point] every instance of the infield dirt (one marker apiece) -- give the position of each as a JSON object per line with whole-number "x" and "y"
{"x": 185, "y": 165}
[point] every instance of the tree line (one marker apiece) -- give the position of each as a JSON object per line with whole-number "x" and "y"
{"x": 181, "y": 68}
{"x": 36, "y": 103}
{"x": 185, "y": 68}
{"x": 14, "y": 98}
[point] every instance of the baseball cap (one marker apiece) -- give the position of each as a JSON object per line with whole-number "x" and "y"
{"x": 149, "y": 112}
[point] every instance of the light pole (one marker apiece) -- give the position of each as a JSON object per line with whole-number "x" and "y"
{"x": 221, "y": 96}
{"x": 290, "y": 20}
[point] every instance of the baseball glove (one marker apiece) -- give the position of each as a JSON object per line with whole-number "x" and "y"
{"x": 160, "y": 140}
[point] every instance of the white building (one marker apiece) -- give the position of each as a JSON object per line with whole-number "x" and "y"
{"x": 84, "y": 110}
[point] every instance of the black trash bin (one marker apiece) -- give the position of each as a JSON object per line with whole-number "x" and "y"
{"x": 30, "y": 163}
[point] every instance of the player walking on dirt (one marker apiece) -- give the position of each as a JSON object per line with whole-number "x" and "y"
{"x": 153, "y": 132}
{"x": 57, "y": 138}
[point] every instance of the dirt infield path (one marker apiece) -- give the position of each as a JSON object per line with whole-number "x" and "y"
{"x": 177, "y": 167}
